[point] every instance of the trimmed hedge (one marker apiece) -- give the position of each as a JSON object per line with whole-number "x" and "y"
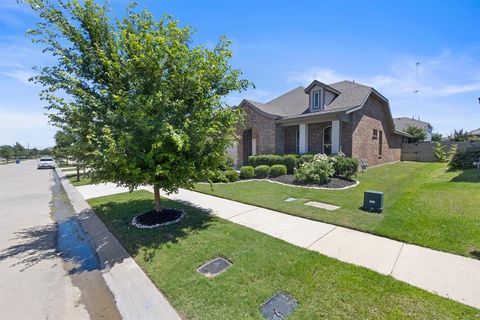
{"x": 247, "y": 172}
{"x": 464, "y": 159}
{"x": 278, "y": 170}
{"x": 288, "y": 160}
{"x": 232, "y": 175}
{"x": 262, "y": 171}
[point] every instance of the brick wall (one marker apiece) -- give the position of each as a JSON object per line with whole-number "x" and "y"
{"x": 373, "y": 115}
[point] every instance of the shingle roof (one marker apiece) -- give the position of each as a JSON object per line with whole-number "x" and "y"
{"x": 403, "y": 122}
{"x": 475, "y": 132}
{"x": 295, "y": 102}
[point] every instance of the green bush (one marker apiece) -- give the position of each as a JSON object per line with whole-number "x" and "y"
{"x": 232, "y": 175}
{"x": 217, "y": 176}
{"x": 319, "y": 170}
{"x": 262, "y": 171}
{"x": 464, "y": 159}
{"x": 247, "y": 172}
{"x": 304, "y": 158}
{"x": 278, "y": 170}
{"x": 345, "y": 166}
{"x": 288, "y": 160}
{"x": 440, "y": 152}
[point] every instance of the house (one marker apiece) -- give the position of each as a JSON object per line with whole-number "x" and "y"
{"x": 404, "y": 122}
{"x": 475, "y": 133}
{"x": 343, "y": 117}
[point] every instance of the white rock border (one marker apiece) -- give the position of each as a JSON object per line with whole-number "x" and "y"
{"x": 289, "y": 185}
{"x": 142, "y": 226}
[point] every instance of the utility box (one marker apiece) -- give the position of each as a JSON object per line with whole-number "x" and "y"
{"x": 373, "y": 201}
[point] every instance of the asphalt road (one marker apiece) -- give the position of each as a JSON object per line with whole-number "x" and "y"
{"x": 40, "y": 277}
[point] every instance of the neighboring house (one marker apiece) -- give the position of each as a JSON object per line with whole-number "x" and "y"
{"x": 475, "y": 133}
{"x": 343, "y": 117}
{"x": 403, "y": 122}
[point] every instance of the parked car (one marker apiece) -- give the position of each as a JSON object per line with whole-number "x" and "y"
{"x": 46, "y": 162}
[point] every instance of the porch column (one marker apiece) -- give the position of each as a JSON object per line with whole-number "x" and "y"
{"x": 335, "y": 136}
{"x": 303, "y": 143}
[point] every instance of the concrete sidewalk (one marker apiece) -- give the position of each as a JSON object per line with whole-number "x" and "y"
{"x": 445, "y": 274}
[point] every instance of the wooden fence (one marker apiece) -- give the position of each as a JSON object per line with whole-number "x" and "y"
{"x": 425, "y": 151}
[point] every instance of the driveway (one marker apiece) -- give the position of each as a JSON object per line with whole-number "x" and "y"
{"x": 42, "y": 276}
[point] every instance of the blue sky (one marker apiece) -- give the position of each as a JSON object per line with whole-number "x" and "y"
{"x": 280, "y": 45}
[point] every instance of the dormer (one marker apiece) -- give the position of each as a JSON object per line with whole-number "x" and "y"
{"x": 320, "y": 95}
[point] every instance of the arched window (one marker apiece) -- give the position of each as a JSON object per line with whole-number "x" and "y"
{"x": 327, "y": 140}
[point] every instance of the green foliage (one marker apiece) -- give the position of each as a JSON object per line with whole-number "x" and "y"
{"x": 278, "y": 170}
{"x": 232, "y": 175}
{"x": 217, "y": 176}
{"x": 288, "y": 160}
{"x": 464, "y": 159}
{"x": 459, "y": 136}
{"x": 440, "y": 152}
{"x": 345, "y": 166}
{"x": 304, "y": 158}
{"x": 146, "y": 106}
{"x": 262, "y": 171}
{"x": 418, "y": 134}
{"x": 319, "y": 170}
{"x": 452, "y": 152}
{"x": 437, "y": 137}
{"x": 247, "y": 172}
{"x": 7, "y": 152}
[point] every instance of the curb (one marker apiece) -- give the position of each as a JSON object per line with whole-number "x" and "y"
{"x": 135, "y": 295}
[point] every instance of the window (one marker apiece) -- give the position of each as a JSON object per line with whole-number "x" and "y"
{"x": 297, "y": 141}
{"x": 316, "y": 100}
{"x": 375, "y": 134}
{"x": 327, "y": 140}
{"x": 380, "y": 142}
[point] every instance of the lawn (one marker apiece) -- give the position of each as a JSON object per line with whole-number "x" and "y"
{"x": 73, "y": 179}
{"x": 262, "y": 266}
{"x": 424, "y": 204}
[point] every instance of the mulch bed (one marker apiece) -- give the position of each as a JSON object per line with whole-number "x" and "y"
{"x": 152, "y": 219}
{"x": 334, "y": 183}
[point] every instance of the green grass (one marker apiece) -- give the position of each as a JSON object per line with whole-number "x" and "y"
{"x": 424, "y": 204}
{"x": 83, "y": 180}
{"x": 262, "y": 266}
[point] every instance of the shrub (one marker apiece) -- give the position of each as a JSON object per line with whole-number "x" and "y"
{"x": 278, "y": 170}
{"x": 262, "y": 171}
{"x": 247, "y": 172}
{"x": 319, "y": 170}
{"x": 452, "y": 152}
{"x": 464, "y": 159}
{"x": 345, "y": 166}
{"x": 232, "y": 175}
{"x": 288, "y": 160}
{"x": 440, "y": 152}
{"x": 227, "y": 163}
{"x": 304, "y": 158}
{"x": 217, "y": 176}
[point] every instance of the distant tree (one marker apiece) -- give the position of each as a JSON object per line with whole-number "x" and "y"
{"x": 64, "y": 144}
{"x": 19, "y": 150}
{"x": 437, "y": 137}
{"x": 417, "y": 133}
{"x": 458, "y": 136}
{"x": 146, "y": 106}
{"x": 7, "y": 152}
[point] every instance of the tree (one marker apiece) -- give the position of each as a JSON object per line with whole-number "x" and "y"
{"x": 64, "y": 144}
{"x": 7, "y": 152}
{"x": 19, "y": 150}
{"x": 459, "y": 136}
{"x": 146, "y": 106}
{"x": 418, "y": 134}
{"x": 437, "y": 137}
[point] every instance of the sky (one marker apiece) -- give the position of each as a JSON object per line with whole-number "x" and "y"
{"x": 280, "y": 45}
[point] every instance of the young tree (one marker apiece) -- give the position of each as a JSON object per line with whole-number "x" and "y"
{"x": 437, "y": 137}
{"x": 64, "y": 144}
{"x": 146, "y": 106}
{"x": 418, "y": 134}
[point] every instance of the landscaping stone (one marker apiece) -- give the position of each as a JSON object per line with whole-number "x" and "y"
{"x": 214, "y": 267}
{"x": 322, "y": 205}
{"x": 279, "y": 306}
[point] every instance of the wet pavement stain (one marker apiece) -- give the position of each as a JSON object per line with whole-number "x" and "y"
{"x": 80, "y": 260}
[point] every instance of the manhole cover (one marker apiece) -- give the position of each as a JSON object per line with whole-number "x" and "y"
{"x": 214, "y": 267}
{"x": 290, "y": 199}
{"x": 279, "y": 306}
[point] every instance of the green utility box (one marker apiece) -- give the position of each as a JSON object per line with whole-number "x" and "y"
{"x": 373, "y": 201}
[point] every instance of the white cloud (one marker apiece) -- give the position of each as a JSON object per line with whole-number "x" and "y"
{"x": 20, "y": 75}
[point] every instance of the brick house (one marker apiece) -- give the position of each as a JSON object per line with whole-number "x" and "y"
{"x": 343, "y": 117}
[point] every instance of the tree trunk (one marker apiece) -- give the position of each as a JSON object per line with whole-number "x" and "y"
{"x": 78, "y": 173}
{"x": 158, "y": 205}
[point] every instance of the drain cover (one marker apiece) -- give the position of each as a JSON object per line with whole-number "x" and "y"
{"x": 214, "y": 267}
{"x": 279, "y": 306}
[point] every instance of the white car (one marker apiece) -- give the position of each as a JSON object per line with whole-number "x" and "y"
{"x": 45, "y": 162}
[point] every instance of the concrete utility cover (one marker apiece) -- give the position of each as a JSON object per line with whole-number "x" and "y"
{"x": 322, "y": 205}
{"x": 214, "y": 267}
{"x": 279, "y": 306}
{"x": 290, "y": 199}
